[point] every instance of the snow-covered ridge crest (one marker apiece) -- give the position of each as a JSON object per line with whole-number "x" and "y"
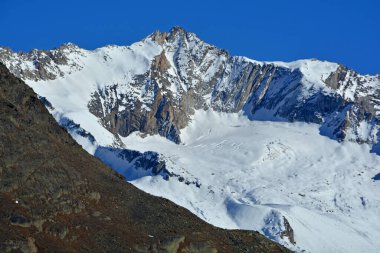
{"x": 43, "y": 65}
{"x": 60, "y": 61}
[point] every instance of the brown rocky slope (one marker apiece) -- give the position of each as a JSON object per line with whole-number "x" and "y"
{"x": 55, "y": 197}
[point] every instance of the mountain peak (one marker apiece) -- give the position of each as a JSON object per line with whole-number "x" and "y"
{"x": 68, "y": 45}
{"x": 178, "y": 29}
{"x": 159, "y": 37}
{"x": 162, "y": 37}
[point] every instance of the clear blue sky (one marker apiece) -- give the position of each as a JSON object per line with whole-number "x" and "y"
{"x": 347, "y": 32}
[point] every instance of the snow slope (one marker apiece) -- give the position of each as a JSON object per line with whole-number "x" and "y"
{"x": 253, "y": 174}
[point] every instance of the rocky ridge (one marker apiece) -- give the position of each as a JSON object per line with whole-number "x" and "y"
{"x": 183, "y": 74}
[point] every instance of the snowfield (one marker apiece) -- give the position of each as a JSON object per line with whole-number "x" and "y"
{"x": 254, "y": 173}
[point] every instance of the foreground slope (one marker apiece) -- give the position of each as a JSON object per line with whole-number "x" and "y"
{"x": 55, "y": 197}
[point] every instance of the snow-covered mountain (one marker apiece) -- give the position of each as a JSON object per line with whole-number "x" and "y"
{"x": 287, "y": 149}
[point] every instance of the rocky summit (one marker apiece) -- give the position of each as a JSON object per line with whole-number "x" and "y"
{"x": 55, "y": 197}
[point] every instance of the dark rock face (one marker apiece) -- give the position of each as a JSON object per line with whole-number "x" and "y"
{"x": 281, "y": 95}
{"x": 288, "y": 232}
{"x": 134, "y": 164}
{"x": 139, "y": 164}
{"x": 55, "y": 197}
{"x": 161, "y": 118}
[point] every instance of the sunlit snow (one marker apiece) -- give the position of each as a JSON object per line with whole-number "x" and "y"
{"x": 252, "y": 173}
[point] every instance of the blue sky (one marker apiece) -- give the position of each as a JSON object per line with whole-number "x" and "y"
{"x": 347, "y": 32}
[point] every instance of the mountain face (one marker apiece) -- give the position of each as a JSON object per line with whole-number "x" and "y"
{"x": 244, "y": 141}
{"x": 157, "y": 84}
{"x": 55, "y": 197}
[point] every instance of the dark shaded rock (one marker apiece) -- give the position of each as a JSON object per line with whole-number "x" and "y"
{"x": 288, "y": 232}
{"x": 19, "y": 220}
